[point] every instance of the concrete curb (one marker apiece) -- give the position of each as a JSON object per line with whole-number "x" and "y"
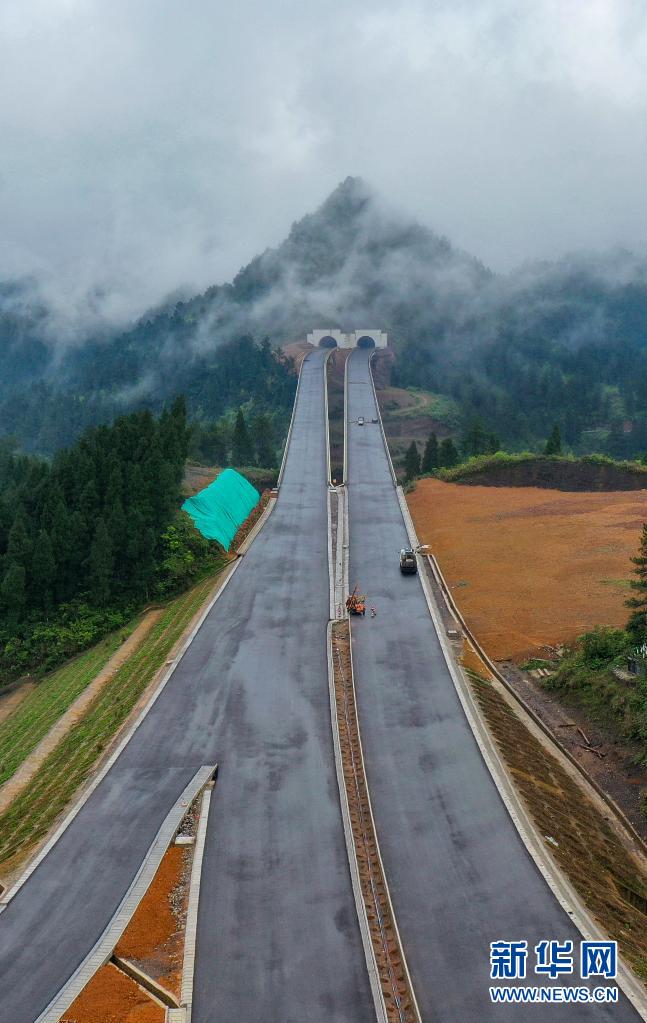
{"x": 327, "y": 416}
{"x": 343, "y": 538}
{"x": 561, "y": 888}
{"x": 567, "y": 760}
{"x": 191, "y": 930}
{"x": 369, "y": 951}
{"x": 379, "y": 416}
{"x": 291, "y": 426}
{"x": 387, "y": 891}
{"x": 116, "y": 753}
{"x": 332, "y": 574}
{"x": 103, "y": 948}
{"x": 130, "y": 731}
{"x": 558, "y": 883}
{"x": 345, "y": 478}
{"x": 152, "y": 988}
{"x": 256, "y": 528}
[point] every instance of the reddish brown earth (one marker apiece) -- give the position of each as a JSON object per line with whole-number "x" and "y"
{"x": 297, "y": 350}
{"x": 153, "y": 940}
{"x": 531, "y": 568}
{"x": 112, "y": 997}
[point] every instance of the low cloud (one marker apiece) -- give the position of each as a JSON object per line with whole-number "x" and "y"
{"x": 150, "y": 150}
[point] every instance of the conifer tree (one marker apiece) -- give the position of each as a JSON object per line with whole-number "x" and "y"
{"x": 13, "y": 590}
{"x": 430, "y": 456}
{"x": 554, "y": 442}
{"x": 18, "y": 544}
{"x": 412, "y": 461}
{"x": 264, "y": 441}
{"x": 43, "y": 571}
{"x": 242, "y": 450}
{"x": 447, "y": 455}
{"x": 100, "y": 564}
{"x": 637, "y": 624}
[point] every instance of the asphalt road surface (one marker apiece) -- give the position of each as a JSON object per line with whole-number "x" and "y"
{"x": 278, "y": 938}
{"x": 460, "y": 876}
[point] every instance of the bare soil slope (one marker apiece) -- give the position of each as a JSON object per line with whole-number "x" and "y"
{"x": 531, "y": 568}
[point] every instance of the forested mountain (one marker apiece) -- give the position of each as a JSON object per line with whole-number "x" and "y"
{"x": 561, "y": 343}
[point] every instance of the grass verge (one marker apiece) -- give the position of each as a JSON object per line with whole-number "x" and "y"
{"x": 592, "y": 856}
{"x": 21, "y": 732}
{"x": 31, "y": 815}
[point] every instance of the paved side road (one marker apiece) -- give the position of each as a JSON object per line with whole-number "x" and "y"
{"x": 278, "y": 938}
{"x": 460, "y": 876}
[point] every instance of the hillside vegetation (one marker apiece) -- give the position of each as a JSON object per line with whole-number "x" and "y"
{"x": 554, "y": 343}
{"x": 93, "y": 535}
{"x": 555, "y": 472}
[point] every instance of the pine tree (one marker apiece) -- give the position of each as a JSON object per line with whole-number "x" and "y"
{"x": 242, "y": 450}
{"x": 62, "y": 540}
{"x": 637, "y": 624}
{"x": 412, "y": 462}
{"x": 554, "y": 442}
{"x": 430, "y": 456}
{"x": 43, "y": 571}
{"x": 264, "y": 441}
{"x": 212, "y": 443}
{"x": 100, "y": 564}
{"x": 447, "y": 455}
{"x": 18, "y": 544}
{"x": 475, "y": 440}
{"x": 13, "y": 590}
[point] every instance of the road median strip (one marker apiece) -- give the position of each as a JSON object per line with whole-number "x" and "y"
{"x": 394, "y": 1000}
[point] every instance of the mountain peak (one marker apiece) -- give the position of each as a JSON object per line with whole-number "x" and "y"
{"x": 349, "y": 197}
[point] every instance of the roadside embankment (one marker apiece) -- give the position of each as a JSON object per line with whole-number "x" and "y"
{"x": 33, "y": 813}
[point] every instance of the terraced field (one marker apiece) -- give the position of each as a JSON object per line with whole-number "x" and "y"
{"x": 34, "y": 811}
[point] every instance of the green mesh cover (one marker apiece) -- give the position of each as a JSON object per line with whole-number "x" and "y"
{"x": 220, "y": 508}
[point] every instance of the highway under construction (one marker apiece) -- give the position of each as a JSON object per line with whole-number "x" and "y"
{"x": 360, "y": 852}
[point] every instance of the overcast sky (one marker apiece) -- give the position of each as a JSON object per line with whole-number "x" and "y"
{"x": 148, "y": 145}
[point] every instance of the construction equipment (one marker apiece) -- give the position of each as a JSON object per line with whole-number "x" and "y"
{"x": 356, "y": 603}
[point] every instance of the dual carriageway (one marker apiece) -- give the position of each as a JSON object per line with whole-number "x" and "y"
{"x": 278, "y": 935}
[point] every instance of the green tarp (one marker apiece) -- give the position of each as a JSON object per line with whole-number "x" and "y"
{"x": 222, "y": 507}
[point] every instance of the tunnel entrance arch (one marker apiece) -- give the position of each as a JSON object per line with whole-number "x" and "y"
{"x": 332, "y": 337}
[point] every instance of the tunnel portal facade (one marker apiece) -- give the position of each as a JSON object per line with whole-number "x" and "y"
{"x": 355, "y": 339}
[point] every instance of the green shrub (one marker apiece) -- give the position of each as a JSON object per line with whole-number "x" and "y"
{"x": 603, "y": 644}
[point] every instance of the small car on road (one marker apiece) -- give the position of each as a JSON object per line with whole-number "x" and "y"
{"x": 408, "y": 562}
